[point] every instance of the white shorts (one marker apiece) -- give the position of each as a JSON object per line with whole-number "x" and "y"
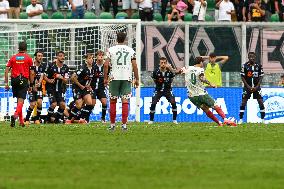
{"x": 129, "y": 4}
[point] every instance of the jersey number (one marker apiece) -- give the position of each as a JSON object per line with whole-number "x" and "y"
{"x": 122, "y": 57}
{"x": 193, "y": 78}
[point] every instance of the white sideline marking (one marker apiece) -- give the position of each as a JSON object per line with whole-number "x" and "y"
{"x": 140, "y": 151}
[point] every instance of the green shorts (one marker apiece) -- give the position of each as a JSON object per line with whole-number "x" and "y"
{"x": 206, "y": 99}
{"x": 120, "y": 88}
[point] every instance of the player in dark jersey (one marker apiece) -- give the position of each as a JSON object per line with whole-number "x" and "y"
{"x": 98, "y": 83}
{"x": 163, "y": 78}
{"x": 252, "y": 74}
{"x": 35, "y": 95}
{"x": 56, "y": 77}
{"x": 82, "y": 91}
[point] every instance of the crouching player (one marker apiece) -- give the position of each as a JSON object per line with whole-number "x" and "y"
{"x": 97, "y": 83}
{"x": 36, "y": 95}
{"x": 194, "y": 79}
{"x": 82, "y": 92}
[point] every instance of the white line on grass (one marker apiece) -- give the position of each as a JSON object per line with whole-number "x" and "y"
{"x": 140, "y": 151}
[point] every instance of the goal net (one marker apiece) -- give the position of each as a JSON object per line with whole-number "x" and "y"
{"x": 75, "y": 38}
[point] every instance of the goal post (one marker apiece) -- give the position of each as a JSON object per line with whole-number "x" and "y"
{"x": 74, "y": 37}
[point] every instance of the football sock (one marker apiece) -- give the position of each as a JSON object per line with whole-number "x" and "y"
{"x": 73, "y": 113}
{"x": 104, "y": 109}
{"x": 220, "y": 112}
{"x": 262, "y": 111}
{"x": 112, "y": 112}
{"x": 174, "y": 110}
{"x": 38, "y": 113}
{"x": 59, "y": 114}
{"x": 29, "y": 112}
{"x": 18, "y": 109}
{"x": 86, "y": 112}
{"x": 212, "y": 116}
{"x": 152, "y": 112}
{"x": 242, "y": 111}
{"x": 50, "y": 112}
{"x": 124, "y": 112}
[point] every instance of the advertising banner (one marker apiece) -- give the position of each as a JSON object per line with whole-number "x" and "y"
{"x": 228, "y": 98}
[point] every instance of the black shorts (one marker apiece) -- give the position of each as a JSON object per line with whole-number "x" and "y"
{"x": 247, "y": 94}
{"x": 99, "y": 93}
{"x": 168, "y": 94}
{"x": 79, "y": 94}
{"x": 56, "y": 96}
{"x": 20, "y": 87}
{"x": 34, "y": 96}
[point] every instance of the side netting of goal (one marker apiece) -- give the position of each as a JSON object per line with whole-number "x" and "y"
{"x": 75, "y": 38}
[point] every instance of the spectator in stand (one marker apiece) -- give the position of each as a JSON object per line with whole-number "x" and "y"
{"x": 54, "y": 4}
{"x": 96, "y": 4}
{"x": 216, "y": 12}
{"x": 239, "y": 4}
{"x": 4, "y": 9}
{"x": 114, "y": 6}
{"x": 269, "y": 9}
{"x": 129, "y": 6}
{"x": 77, "y": 8}
{"x": 34, "y": 10}
{"x": 182, "y": 7}
{"x": 173, "y": 13}
{"x": 256, "y": 12}
{"x": 246, "y": 9}
{"x": 156, "y": 5}
{"x": 145, "y": 10}
{"x": 15, "y": 8}
{"x": 226, "y": 9}
{"x": 279, "y": 9}
{"x": 164, "y": 8}
{"x": 213, "y": 68}
{"x": 199, "y": 9}
{"x": 281, "y": 82}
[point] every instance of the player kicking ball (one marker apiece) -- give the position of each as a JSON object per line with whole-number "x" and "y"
{"x": 194, "y": 79}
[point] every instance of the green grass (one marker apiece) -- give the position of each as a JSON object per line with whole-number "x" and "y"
{"x": 190, "y": 155}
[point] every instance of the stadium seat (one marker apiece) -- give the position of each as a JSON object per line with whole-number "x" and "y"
{"x": 158, "y": 17}
{"x": 121, "y": 15}
{"x": 106, "y": 15}
{"x": 89, "y": 15}
{"x": 23, "y": 15}
{"x": 26, "y": 3}
{"x": 188, "y": 17}
{"x": 57, "y": 15}
{"x": 135, "y": 15}
{"x": 209, "y": 18}
{"x": 44, "y": 15}
{"x": 69, "y": 15}
{"x": 274, "y": 18}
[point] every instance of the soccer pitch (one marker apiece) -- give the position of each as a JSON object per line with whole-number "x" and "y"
{"x": 188, "y": 155}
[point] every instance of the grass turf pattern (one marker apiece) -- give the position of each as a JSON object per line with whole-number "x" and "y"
{"x": 163, "y": 155}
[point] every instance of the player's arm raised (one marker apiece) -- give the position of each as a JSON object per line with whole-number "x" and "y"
{"x": 223, "y": 59}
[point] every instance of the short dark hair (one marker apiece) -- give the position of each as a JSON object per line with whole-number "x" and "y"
{"x": 37, "y": 53}
{"x": 198, "y": 60}
{"x": 212, "y": 55}
{"x": 22, "y": 46}
{"x": 88, "y": 54}
{"x": 253, "y": 53}
{"x": 121, "y": 36}
{"x": 100, "y": 52}
{"x": 59, "y": 52}
{"x": 163, "y": 58}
